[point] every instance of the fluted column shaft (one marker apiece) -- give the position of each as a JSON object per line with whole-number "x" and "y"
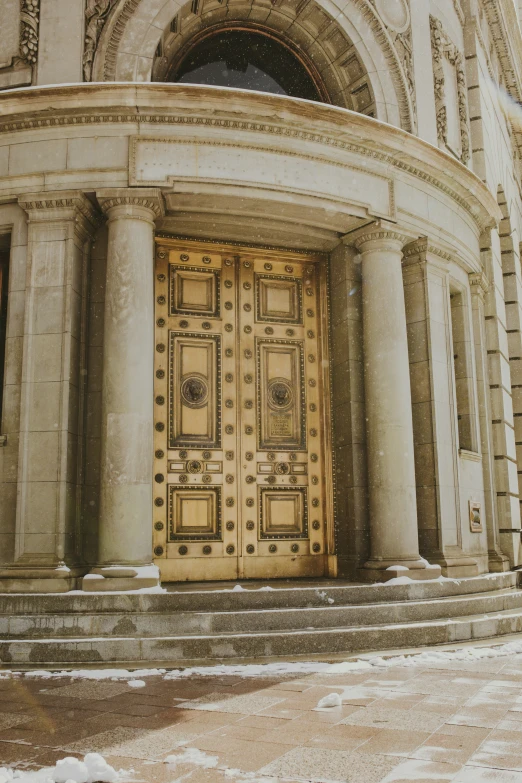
{"x": 391, "y": 467}
{"x": 125, "y": 541}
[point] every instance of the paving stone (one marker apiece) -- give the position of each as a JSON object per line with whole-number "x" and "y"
{"x": 318, "y": 764}
{"x": 91, "y": 689}
{"x": 401, "y": 719}
{"x": 247, "y": 704}
{"x": 10, "y": 719}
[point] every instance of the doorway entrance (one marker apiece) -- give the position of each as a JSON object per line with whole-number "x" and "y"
{"x": 242, "y": 484}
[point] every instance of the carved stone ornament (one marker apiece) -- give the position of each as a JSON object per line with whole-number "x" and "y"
{"x": 394, "y": 13}
{"x": 29, "y": 23}
{"x": 442, "y": 47}
{"x": 96, "y": 14}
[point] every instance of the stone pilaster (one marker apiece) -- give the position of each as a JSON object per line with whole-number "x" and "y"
{"x": 497, "y": 561}
{"x": 60, "y": 227}
{"x": 504, "y": 372}
{"x": 391, "y": 467}
{"x": 435, "y": 427}
{"x": 125, "y": 537}
{"x": 349, "y": 441}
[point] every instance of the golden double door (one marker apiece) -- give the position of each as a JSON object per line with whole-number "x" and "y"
{"x": 242, "y": 478}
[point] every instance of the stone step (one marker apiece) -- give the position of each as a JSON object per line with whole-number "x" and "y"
{"x": 172, "y": 650}
{"x": 167, "y": 622}
{"x": 219, "y": 597}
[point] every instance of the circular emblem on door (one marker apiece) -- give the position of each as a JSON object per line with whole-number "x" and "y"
{"x": 280, "y": 395}
{"x": 194, "y": 391}
{"x": 282, "y": 468}
{"x": 195, "y": 466}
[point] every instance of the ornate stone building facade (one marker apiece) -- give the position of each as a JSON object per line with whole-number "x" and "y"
{"x": 261, "y": 292}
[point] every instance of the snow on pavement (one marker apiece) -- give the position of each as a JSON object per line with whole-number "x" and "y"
{"x": 93, "y": 769}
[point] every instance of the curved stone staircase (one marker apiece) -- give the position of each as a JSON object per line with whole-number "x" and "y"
{"x": 195, "y": 623}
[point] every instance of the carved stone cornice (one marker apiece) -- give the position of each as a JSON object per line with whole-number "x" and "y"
{"x": 479, "y": 284}
{"x": 150, "y": 199}
{"x": 60, "y": 205}
{"x": 331, "y": 130}
{"x": 29, "y": 29}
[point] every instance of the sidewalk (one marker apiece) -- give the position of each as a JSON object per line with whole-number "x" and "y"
{"x": 428, "y": 718}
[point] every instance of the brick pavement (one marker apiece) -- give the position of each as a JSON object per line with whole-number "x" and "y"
{"x": 438, "y": 721}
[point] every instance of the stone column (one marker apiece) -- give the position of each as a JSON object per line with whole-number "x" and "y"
{"x": 391, "y": 468}
{"x": 125, "y": 546}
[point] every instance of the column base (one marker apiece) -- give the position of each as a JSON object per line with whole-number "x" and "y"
{"x": 116, "y": 578}
{"x": 24, "y": 579}
{"x": 498, "y": 562}
{"x": 460, "y": 566}
{"x": 384, "y": 570}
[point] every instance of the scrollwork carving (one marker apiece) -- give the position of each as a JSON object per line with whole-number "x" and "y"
{"x": 96, "y": 14}
{"x": 442, "y": 47}
{"x": 29, "y": 24}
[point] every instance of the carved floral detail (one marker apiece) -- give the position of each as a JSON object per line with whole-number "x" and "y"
{"x": 29, "y": 23}
{"x": 442, "y": 47}
{"x": 96, "y": 14}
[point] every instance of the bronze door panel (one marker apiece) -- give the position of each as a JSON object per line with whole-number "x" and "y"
{"x": 241, "y": 429}
{"x": 194, "y": 390}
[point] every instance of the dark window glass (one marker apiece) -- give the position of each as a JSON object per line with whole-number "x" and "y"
{"x": 249, "y": 61}
{"x": 4, "y": 268}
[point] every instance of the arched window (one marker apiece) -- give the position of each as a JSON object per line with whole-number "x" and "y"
{"x": 247, "y": 59}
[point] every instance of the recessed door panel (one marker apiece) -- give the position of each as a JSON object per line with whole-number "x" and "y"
{"x": 241, "y": 430}
{"x": 194, "y": 389}
{"x": 193, "y": 291}
{"x": 280, "y": 395}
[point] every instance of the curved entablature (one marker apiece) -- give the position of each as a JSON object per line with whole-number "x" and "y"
{"x": 362, "y": 61}
{"x": 310, "y": 170}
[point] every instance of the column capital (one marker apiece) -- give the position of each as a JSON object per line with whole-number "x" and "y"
{"x": 379, "y": 234}
{"x": 418, "y": 251}
{"x": 131, "y": 202}
{"x": 61, "y": 205}
{"x": 479, "y": 284}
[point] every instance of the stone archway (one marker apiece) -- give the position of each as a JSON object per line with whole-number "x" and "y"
{"x": 347, "y": 39}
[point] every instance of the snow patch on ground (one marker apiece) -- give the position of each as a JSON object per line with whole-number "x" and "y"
{"x": 332, "y": 700}
{"x": 93, "y": 769}
{"x": 431, "y": 656}
{"x": 193, "y": 756}
{"x": 136, "y": 683}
